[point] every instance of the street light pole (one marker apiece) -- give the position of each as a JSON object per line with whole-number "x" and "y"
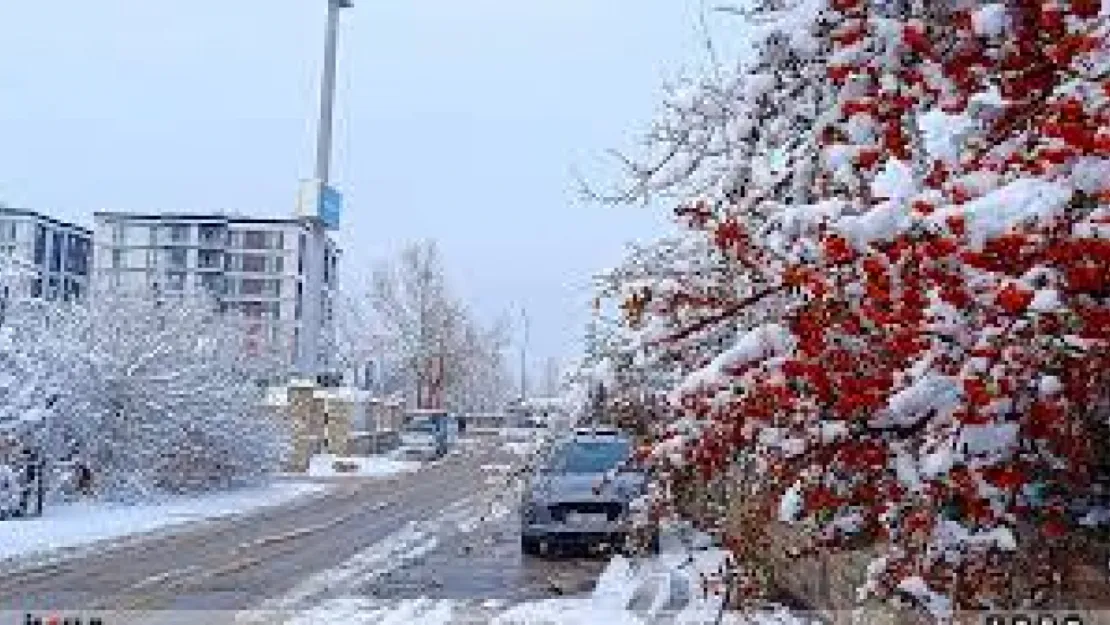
{"x": 524, "y": 358}
{"x": 327, "y": 90}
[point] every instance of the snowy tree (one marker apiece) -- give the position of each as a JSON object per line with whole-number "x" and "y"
{"x": 28, "y": 388}
{"x": 428, "y": 342}
{"x": 360, "y": 340}
{"x": 150, "y": 395}
{"x": 909, "y": 238}
{"x": 552, "y": 377}
{"x": 483, "y": 382}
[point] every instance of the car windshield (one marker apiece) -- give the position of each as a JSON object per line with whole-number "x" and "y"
{"x": 590, "y": 456}
{"x": 423, "y": 425}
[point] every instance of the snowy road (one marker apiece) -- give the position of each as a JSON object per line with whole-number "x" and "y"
{"x": 441, "y": 535}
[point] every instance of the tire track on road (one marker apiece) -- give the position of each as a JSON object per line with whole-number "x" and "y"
{"x": 210, "y": 557}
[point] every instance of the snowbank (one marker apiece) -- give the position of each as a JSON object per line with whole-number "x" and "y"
{"x": 325, "y": 465}
{"x": 81, "y": 523}
{"x": 668, "y": 585}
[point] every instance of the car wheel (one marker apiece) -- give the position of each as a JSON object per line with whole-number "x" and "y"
{"x": 635, "y": 544}
{"x": 529, "y": 546}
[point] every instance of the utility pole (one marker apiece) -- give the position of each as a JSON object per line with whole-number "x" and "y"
{"x": 327, "y": 90}
{"x": 524, "y": 358}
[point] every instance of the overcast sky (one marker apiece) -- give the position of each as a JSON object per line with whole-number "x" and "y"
{"x": 458, "y": 120}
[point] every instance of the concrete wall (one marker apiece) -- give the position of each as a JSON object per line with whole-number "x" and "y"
{"x": 339, "y": 421}
{"x": 1071, "y": 578}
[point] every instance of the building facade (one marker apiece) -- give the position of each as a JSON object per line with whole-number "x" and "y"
{"x": 44, "y": 257}
{"x": 279, "y": 274}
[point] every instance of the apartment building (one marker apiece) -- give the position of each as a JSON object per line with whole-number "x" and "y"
{"x": 278, "y": 273}
{"x": 44, "y": 257}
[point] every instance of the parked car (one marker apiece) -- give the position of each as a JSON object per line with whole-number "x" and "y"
{"x": 580, "y": 494}
{"x": 426, "y": 435}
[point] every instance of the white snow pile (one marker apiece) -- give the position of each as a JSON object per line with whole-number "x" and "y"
{"x": 365, "y": 611}
{"x": 327, "y": 465}
{"x": 82, "y": 523}
{"x": 668, "y": 587}
{"x": 754, "y": 346}
{"x": 997, "y": 212}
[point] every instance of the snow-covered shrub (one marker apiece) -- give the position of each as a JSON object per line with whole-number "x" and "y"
{"x": 150, "y": 396}
{"x": 919, "y": 278}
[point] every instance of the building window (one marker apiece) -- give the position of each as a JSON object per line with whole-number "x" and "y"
{"x": 71, "y": 289}
{"x": 52, "y": 291}
{"x": 254, "y": 263}
{"x": 119, "y": 234}
{"x": 7, "y": 230}
{"x": 254, "y": 239}
{"x": 214, "y": 283}
{"x": 179, "y": 233}
{"x": 40, "y": 245}
{"x": 117, "y": 258}
{"x": 77, "y": 255}
{"x": 175, "y": 281}
{"x": 300, "y": 254}
{"x": 212, "y": 235}
{"x": 208, "y": 259}
{"x": 327, "y": 266}
{"x": 249, "y": 286}
{"x": 279, "y": 264}
{"x": 297, "y": 305}
{"x": 36, "y": 287}
{"x": 178, "y": 258}
{"x": 153, "y": 235}
{"x": 57, "y": 244}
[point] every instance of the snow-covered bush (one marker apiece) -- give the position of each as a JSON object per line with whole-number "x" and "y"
{"x": 150, "y": 396}
{"x": 919, "y": 276}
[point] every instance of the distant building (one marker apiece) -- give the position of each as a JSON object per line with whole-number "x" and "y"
{"x": 280, "y": 273}
{"x": 46, "y": 258}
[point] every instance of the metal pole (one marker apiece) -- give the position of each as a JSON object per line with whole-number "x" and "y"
{"x": 327, "y": 91}
{"x": 523, "y": 358}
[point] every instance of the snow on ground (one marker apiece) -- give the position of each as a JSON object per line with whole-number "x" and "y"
{"x": 78, "y": 524}
{"x": 364, "y": 611}
{"x": 325, "y": 465}
{"x": 666, "y": 588}
{"x": 524, "y": 449}
{"x": 414, "y": 540}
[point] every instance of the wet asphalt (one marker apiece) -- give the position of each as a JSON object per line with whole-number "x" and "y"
{"x": 446, "y": 532}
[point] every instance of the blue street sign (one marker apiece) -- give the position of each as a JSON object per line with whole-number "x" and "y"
{"x": 331, "y": 207}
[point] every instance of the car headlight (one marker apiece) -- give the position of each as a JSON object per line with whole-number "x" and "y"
{"x": 535, "y": 512}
